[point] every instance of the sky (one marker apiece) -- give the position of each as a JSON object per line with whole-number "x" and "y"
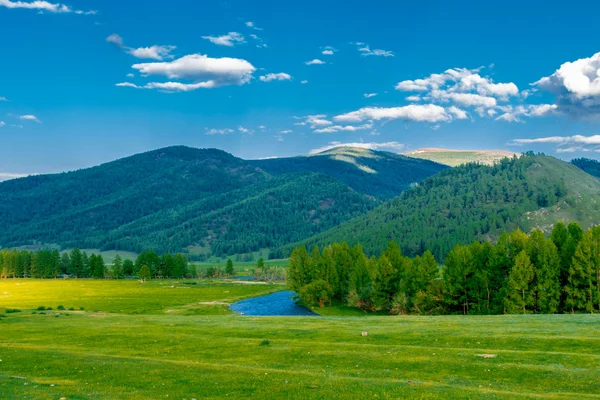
{"x": 89, "y": 81}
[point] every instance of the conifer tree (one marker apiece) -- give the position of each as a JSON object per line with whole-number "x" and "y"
{"x": 580, "y": 289}
{"x": 519, "y": 299}
{"x": 229, "y": 270}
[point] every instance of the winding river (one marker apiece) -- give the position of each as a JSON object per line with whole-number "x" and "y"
{"x": 276, "y": 304}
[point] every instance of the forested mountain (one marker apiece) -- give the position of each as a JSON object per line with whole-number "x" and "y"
{"x": 377, "y": 173}
{"x": 590, "y": 166}
{"x": 180, "y": 198}
{"x": 473, "y": 202}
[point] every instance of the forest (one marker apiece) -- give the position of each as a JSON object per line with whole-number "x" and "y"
{"x": 519, "y": 274}
{"x": 472, "y": 202}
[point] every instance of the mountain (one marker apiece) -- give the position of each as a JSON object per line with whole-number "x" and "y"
{"x": 376, "y": 173}
{"x": 454, "y": 158}
{"x": 592, "y": 167}
{"x": 199, "y": 200}
{"x": 475, "y": 201}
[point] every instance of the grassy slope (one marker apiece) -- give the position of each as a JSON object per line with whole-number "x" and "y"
{"x": 161, "y": 355}
{"x": 458, "y": 157}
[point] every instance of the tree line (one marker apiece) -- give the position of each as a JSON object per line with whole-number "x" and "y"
{"x": 78, "y": 264}
{"x": 518, "y": 274}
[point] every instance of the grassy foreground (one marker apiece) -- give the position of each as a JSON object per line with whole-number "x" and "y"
{"x": 132, "y": 350}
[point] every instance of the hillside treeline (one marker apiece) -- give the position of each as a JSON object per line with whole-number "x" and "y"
{"x": 520, "y": 273}
{"x": 78, "y": 264}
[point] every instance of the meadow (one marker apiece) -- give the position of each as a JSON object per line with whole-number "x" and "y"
{"x": 178, "y": 340}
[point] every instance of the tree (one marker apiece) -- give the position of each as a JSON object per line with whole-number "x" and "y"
{"x": 128, "y": 267}
{"x": 75, "y": 267}
{"x": 318, "y": 293}
{"x": 144, "y": 273}
{"x": 519, "y": 292}
{"x": 229, "y": 270}
{"x": 581, "y": 288}
{"x": 117, "y": 268}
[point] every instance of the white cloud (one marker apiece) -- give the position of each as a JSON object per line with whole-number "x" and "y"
{"x": 315, "y": 121}
{"x": 344, "y": 128}
{"x": 457, "y": 112}
{"x": 214, "y": 131}
{"x": 228, "y": 40}
{"x": 327, "y": 52}
{"x": 252, "y": 25}
{"x": 413, "y": 98}
{"x": 576, "y": 86}
{"x": 171, "y": 86}
{"x": 513, "y": 114}
{"x": 464, "y": 99}
{"x": 279, "y": 138}
{"x": 30, "y": 118}
{"x": 281, "y": 76}
{"x": 286, "y": 131}
{"x": 315, "y": 62}
{"x": 304, "y": 82}
{"x": 369, "y": 95}
{"x": 565, "y": 144}
{"x": 212, "y": 72}
{"x": 115, "y": 39}
{"x": 130, "y": 75}
{"x": 366, "y": 51}
{"x": 245, "y": 130}
{"x": 393, "y": 146}
{"x": 260, "y": 43}
{"x": 44, "y": 6}
{"x": 153, "y": 52}
{"x": 412, "y": 112}
{"x": 2, "y": 123}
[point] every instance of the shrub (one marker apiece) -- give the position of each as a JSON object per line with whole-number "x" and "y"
{"x": 71, "y": 309}
{"x": 265, "y": 342}
{"x": 41, "y": 308}
{"x": 49, "y": 309}
{"x": 318, "y": 293}
{"x": 34, "y": 312}
{"x": 61, "y": 307}
{"x": 81, "y": 309}
{"x": 12, "y": 310}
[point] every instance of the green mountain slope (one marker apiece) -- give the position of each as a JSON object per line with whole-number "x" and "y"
{"x": 475, "y": 201}
{"x": 376, "y": 173}
{"x": 173, "y": 199}
{"x": 454, "y": 158}
{"x": 590, "y": 166}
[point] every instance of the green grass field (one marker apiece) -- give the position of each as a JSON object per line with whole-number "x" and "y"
{"x": 138, "y": 341}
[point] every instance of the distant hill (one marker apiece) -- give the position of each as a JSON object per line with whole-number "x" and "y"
{"x": 454, "y": 158}
{"x": 204, "y": 200}
{"x": 376, "y": 173}
{"x": 590, "y": 166}
{"x": 472, "y": 202}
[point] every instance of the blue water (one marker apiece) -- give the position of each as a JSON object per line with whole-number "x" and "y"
{"x": 279, "y": 304}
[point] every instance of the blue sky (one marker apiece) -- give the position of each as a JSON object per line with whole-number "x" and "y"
{"x": 84, "y": 82}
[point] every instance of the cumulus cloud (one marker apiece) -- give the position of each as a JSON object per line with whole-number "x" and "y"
{"x": 229, "y": 40}
{"x": 205, "y": 71}
{"x": 252, "y": 25}
{"x": 457, "y": 112}
{"x": 214, "y": 131}
{"x": 304, "y": 82}
{"x": 344, "y": 128}
{"x": 412, "y": 112}
{"x": 44, "y": 6}
{"x": 327, "y": 52}
{"x": 281, "y": 76}
{"x": 514, "y": 113}
{"x": 316, "y": 61}
{"x": 153, "y": 52}
{"x": 245, "y": 130}
{"x": 369, "y": 95}
{"x": 460, "y": 86}
{"x": 365, "y": 51}
{"x": 171, "y": 87}
{"x": 576, "y": 86}
{"x": 314, "y": 121}
{"x": 565, "y": 144}
{"x": 393, "y": 146}
{"x": 30, "y": 117}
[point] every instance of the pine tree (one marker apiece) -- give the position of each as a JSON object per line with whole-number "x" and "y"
{"x": 580, "y": 289}
{"x": 519, "y": 299}
{"x": 229, "y": 270}
{"x": 384, "y": 288}
{"x": 117, "y": 267}
{"x": 426, "y": 289}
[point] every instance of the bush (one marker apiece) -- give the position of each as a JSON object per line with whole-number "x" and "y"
{"x": 71, "y": 309}
{"x": 318, "y": 293}
{"x": 265, "y": 342}
{"x": 49, "y": 309}
{"x": 41, "y": 308}
{"x": 12, "y": 310}
{"x": 34, "y": 312}
{"x": 81, "y": 309}
{"x": 61, "y": 307}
